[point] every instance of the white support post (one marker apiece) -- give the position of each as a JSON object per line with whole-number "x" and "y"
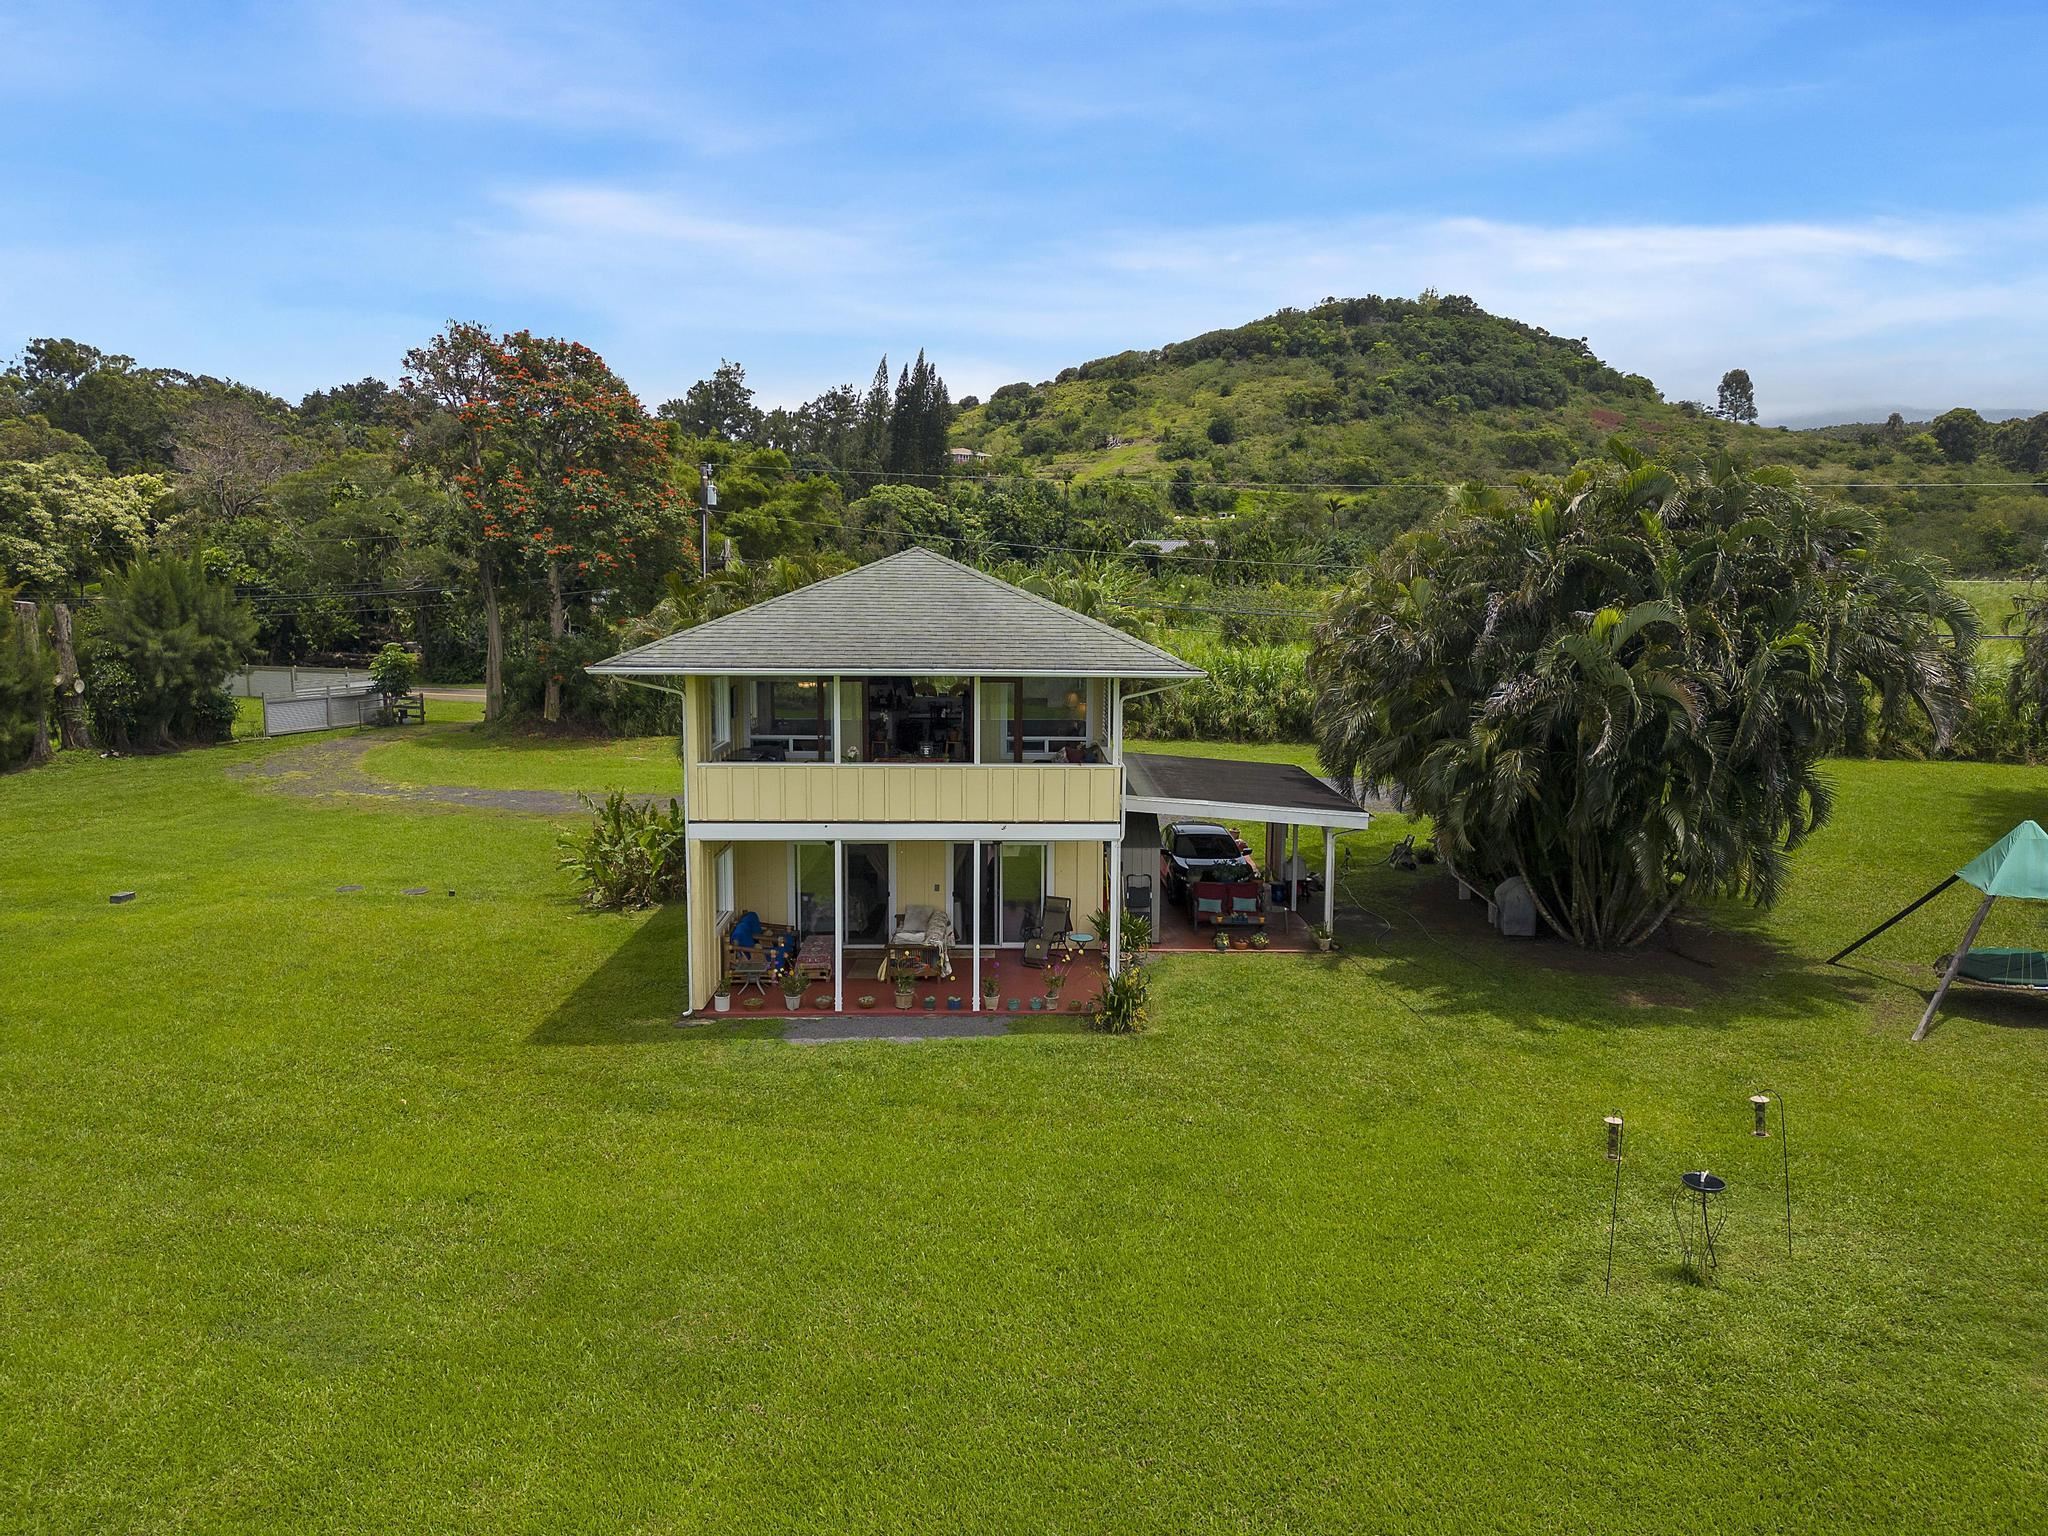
{"x": 974, "y": 923}
{"x": 1116, "y": 721}
{"x": 1329, "y": 877}
{"x": 838, "y": 749}
{"x": 1293, "y": 867}
{"x": 839, "y": 925}
{"x": 1116, "y": 904}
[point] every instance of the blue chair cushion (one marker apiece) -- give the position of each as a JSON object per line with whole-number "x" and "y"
{"x": 746, "y": 929}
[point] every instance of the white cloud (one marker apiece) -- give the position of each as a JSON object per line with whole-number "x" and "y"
{"x": 553, "y": 66}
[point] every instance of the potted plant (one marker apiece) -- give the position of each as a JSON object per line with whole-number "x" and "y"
{"x": 1259, "y": 940}
{"x": 1055, "y": 981}
{"x": 989, "y": 988}
{"x": 721, "y": 1000}
{"x": 1222, "y": 941}
{"x": 792, "y": 986}
{"x": 866, "y": 1000}
{"x": 1325, "y": 940}
{"x": 905, "y": 993}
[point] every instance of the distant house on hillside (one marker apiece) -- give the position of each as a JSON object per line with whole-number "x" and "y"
{"x": 1162, "y": 552}
{"x": 964, "y": 455}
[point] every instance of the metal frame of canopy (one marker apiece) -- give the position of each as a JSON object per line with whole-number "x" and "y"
{"x": 2017, "y": 866}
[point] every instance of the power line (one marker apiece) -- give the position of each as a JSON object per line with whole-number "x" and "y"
{"x": 1049, "y": 477}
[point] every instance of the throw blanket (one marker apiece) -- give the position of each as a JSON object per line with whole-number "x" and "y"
{"x": 924, "y": 925}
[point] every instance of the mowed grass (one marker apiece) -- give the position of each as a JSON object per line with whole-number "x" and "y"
{"x": 361, "y": 1211}
{"x": 512, "y": 759}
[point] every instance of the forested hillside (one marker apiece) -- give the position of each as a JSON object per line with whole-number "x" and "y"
{"x": 1212, "y": 493}
{"x": 1366, "y": 409}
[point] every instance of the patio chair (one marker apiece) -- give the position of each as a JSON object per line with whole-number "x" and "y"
{"x": 760, "y": 960}
{"x": 1051, "y": 928}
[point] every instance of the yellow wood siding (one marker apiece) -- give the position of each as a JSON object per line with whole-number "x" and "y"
{"x": 900, "y": 792}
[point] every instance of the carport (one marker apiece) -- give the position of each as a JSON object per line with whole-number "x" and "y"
{"x": 1160, "y": 787}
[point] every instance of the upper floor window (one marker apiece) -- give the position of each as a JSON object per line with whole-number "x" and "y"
{"x": 789, "y": 717}
{"x": 1038, "y": 720}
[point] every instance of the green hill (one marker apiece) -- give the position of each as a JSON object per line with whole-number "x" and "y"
{"x": 1372, "y": 406}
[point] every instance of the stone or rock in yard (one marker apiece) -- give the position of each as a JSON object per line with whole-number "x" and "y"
{"x": 345, "y": 889}
{"x": 119, "y": 897}
{"x": 414, "y": 890}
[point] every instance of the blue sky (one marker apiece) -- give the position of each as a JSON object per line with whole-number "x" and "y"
{"x": 1847, "y": 200}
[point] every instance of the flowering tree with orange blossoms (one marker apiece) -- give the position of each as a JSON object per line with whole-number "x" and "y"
{"x": 571, "y": 477}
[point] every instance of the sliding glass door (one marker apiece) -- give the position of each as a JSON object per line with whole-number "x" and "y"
{"x": 868, "y": 912}
{"x": 1021, "y": 894}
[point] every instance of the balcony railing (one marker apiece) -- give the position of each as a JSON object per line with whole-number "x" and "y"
{"x": 905, "y": 792}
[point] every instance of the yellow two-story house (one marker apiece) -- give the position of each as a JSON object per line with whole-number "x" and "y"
{"x": 913, "y": 741}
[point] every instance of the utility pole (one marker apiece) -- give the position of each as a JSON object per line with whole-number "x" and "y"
{"x": 709, "y": 499}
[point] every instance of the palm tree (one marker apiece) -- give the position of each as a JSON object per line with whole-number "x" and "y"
{"x": 1622, "y": 690}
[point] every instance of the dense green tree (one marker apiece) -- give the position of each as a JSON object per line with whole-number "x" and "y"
{"x": 126, "y": 412}
{"x": 24, "y": 687}
{"x": 163, "y": 640}
{"x": 1959, "y": 434}
{"x": 874, "y": 421}
{"x": 764, "y": 506}
{"x": 61, "y": 526}
{"x": 1623, "y": 691}
{"x": 1736, "y": 399}
{"x": 721, "y": 407}
{"x": 2022, "y": 445}
{"x": 920, "y": 416}
{"x": 893, "y": 517}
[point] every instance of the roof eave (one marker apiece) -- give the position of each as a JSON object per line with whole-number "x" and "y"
{"x": 609, "y": 668}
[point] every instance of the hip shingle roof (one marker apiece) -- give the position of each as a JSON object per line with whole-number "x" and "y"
{"x": 912, "y": 613}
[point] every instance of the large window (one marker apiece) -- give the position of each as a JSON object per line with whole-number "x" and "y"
{"x": 721, "y": 715}
{"x": 722, "y": 876}
{"x": 789, "y": 717}
{"x": 915, "y": 719}
{"x": 1036, "y": 720}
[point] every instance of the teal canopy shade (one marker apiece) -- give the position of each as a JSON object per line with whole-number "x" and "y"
{"x": 2015, "y": 865}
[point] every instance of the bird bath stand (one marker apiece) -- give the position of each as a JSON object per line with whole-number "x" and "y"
{"x": 1697, "y": 1213}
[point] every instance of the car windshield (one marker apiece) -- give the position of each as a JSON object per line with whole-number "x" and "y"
{"x": 1204, "y": 845}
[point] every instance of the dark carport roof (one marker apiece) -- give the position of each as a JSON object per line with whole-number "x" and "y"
{"x": 1171, "y": 786}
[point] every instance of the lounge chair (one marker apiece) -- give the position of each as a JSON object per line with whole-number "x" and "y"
{"x": 1054, "y": 923}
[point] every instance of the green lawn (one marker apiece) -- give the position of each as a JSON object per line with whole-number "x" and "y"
{"x": 361, "y": 1211}
{"x": 510, "y": 759}
{"x": 1992, "y": 600}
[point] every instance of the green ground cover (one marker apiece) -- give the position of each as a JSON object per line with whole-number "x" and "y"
{"x": 359, "y": 1210}
{"x": 510, "y": 759}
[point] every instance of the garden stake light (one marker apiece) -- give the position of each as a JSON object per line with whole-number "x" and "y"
{"x": 1614, "y": 1133}
{"x": 1760, "y": 1108}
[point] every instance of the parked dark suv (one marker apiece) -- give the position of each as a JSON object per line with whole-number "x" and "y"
{"x": 1201, "y": 850}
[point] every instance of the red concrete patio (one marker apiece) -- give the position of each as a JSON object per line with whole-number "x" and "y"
{"x": 1017, "y": 986}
